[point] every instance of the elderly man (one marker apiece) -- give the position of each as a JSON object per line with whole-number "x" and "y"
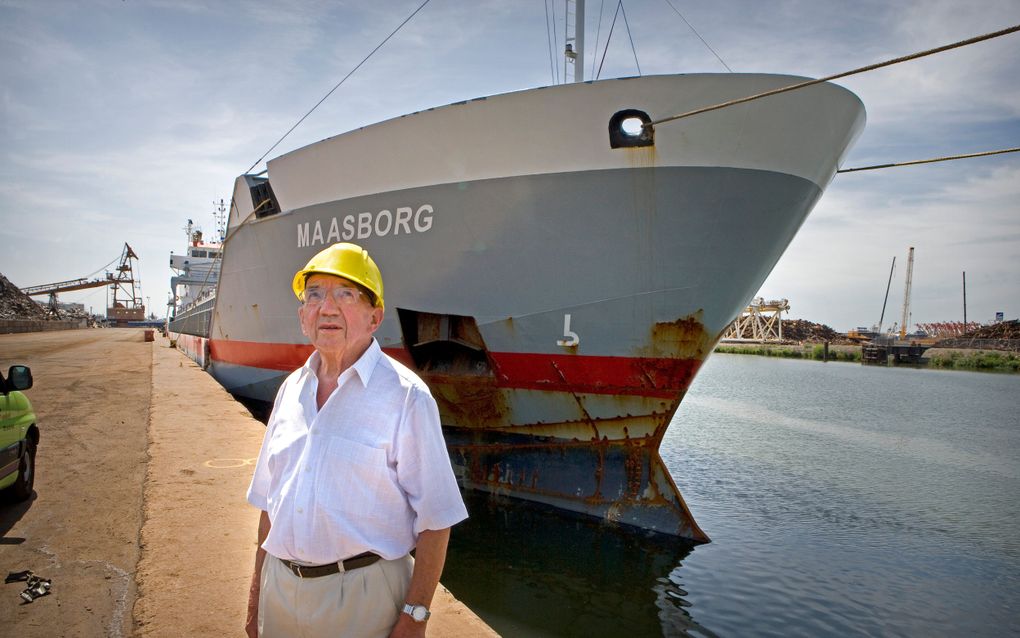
{"x": 353, "y": 474}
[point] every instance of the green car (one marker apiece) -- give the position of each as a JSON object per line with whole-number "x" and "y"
{"x": 19, "y": 435}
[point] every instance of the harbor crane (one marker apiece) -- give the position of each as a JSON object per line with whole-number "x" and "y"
{"x": 127, "y": 302}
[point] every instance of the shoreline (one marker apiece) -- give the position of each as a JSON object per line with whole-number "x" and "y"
{"x": 973, "y": 360}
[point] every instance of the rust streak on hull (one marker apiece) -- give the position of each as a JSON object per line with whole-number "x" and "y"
{"x": 596, "y": 451}
{"x": 623, "y": 482}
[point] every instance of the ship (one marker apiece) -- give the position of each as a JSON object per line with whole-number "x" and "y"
{"x": 559, "y": 262}
{"x": 557, "y": 266}
{"x": 193, "y": 286}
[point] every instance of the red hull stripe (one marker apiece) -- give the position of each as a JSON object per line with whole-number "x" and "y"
{"x": 286, "y": 357}
{"x": 662, "y": 378}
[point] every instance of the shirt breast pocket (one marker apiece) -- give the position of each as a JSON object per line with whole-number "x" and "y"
{"x": 356, "y": 480}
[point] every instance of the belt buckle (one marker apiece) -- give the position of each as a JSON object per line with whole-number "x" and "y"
{"x": 297, "y": 570}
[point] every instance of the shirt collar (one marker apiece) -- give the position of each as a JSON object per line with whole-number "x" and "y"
{"x": 363, "y": 367}
{"x": 366, "y": 362}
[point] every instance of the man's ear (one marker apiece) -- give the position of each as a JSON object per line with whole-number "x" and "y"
{"x": 301, "y": 318}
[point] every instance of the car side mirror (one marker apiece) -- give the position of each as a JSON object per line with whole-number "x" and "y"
{"x": 19, "y": 378}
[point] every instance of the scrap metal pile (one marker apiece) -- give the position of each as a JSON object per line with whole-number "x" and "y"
{"x": 948, "y": 329}
{"x": 805, "y": 331}
{"x": 15, "y": 304}
{"x": 1004, "y": 336}
{"x": 1001, "y": 330}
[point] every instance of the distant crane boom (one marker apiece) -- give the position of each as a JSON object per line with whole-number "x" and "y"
{"x": 906, "y": 294}
{"x": 118, "y": 283}
{"x": 881, "y": 319}
{"x": 68, "y": 286}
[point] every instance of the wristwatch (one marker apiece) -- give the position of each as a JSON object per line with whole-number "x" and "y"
{"x": 419, "y": 613}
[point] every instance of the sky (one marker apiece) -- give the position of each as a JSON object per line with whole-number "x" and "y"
{"x": 122, "y": 119}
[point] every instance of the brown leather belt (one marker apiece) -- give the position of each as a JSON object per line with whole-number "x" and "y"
{"x": 315, "y": 571}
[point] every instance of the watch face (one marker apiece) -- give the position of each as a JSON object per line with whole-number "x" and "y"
{"x": 419, "y": 613}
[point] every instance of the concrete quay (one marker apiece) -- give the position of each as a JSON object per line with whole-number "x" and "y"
{"x": 139, "y": 515}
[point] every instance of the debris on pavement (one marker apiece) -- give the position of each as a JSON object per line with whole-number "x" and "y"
{"x": 36, "y": 587}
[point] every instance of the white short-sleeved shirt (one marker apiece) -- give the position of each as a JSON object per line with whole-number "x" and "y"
{"x": 368, "y": 472}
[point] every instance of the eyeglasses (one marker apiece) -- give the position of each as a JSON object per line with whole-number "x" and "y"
{"x": 342, "y": 296}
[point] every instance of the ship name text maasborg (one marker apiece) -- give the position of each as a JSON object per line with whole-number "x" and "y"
{"x": 403, "y": 220}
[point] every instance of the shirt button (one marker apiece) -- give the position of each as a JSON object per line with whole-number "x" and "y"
{"x": 300, "y": 511}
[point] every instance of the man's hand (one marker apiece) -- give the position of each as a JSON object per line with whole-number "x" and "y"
{"x": 251, "y": 625}
{"x": 407, "y": 628}
{"x": 429, "y": 558}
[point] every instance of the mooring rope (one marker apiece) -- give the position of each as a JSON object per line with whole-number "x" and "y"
{"x": 870, "y": 67}
{"x": 352, "y": 71}
{"x": 609, "y": 37}
{"x": 695, "y": 32}
{"x": 929, "y": 161}
{"x": 549, "y": 38}
{"x": 633, "y": 50}
{"x": 253, "y": 213}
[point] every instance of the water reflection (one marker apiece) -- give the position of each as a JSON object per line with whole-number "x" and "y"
{"x": 528, "y": 571}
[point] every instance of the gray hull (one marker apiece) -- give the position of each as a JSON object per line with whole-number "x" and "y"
{"x": 195, "y": 320}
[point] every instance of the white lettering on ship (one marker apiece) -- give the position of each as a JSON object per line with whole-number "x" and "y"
{"x": 570, "y": 337}
{"x": 404, "y": 220}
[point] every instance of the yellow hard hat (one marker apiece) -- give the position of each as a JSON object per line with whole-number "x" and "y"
{"x": 349, "y": 261}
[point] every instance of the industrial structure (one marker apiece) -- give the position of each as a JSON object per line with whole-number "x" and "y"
{"x": 761, "y": 322}
{"x": 895, "y": 346}
{"x": 125, "y": 303}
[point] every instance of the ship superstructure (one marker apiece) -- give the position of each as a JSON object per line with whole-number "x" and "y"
{"x": 193, "y": 285}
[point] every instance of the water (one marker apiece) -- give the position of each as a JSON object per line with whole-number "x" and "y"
{"x": 842, "y": 500}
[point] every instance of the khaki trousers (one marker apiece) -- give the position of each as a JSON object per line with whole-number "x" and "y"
{"x": 362, "y": 603}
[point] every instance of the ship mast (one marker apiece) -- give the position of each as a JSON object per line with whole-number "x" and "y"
{"x": 220, "y": 215}
{"x": 573, "y": 55}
